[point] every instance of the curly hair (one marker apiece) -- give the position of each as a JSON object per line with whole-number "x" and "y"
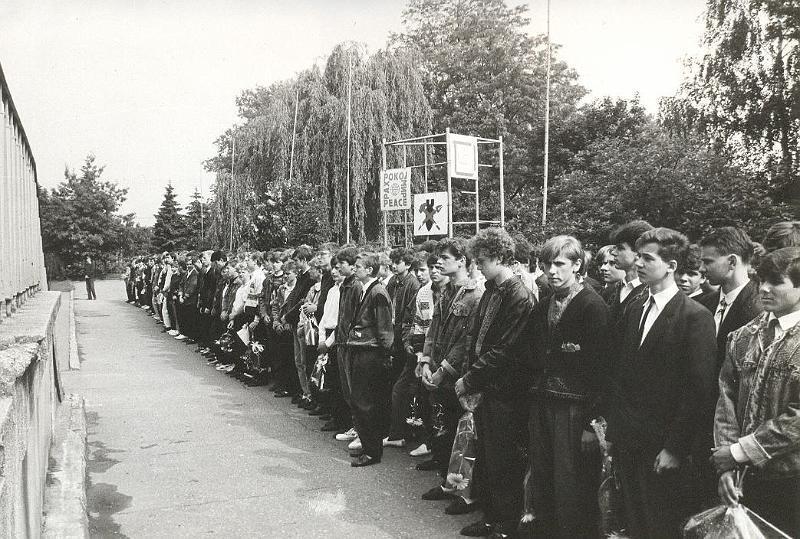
{"x": 493, "y": 243}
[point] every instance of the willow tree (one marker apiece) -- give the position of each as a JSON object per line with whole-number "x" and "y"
{"x": 276, "y": 195}
{"x": 743, "y": 90}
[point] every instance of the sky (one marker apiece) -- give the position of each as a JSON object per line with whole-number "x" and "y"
{"x": 148, "y": 85}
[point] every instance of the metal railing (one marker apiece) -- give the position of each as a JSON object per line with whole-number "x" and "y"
{"x": 21, "y": 258}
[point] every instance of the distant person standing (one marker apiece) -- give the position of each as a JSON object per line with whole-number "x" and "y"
{"x": 89, "y": 273}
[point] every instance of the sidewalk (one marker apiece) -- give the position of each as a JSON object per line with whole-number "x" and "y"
{"x": 177, "y": 449}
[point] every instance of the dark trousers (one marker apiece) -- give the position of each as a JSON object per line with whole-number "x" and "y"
{"x": 282, "y": 358}
{"x": 655, "y": 505}
{"x": 777, "y": 501}
{"x": 366, "y": 376}
{"x": 445, "y": 413}
{"x": 403, "y": 391}
{"x": 339, "y": 410}
{"x": 500, "y": 462}
{"x": 173, "y": 318}
{"x": 562, "y": 481}
{"x": 90, "y": 294}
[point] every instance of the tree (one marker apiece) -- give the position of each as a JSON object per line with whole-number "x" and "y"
{"x": 169, "y": 230}
{"x": 198, "y": 220}
{"x": 79, "y": 217}
{"x": 668, "y": 180}
{"x": 388, "y": 101}
{"x": 485, "y": 76}
{"x": 743, "y": 91}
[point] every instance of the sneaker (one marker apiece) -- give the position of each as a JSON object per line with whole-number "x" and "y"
{"x": 388, "y": 442}
{"x": 421, "y": 451}
{"x": 180, "y": 336}
{"x": 223, "y": 366}
{"x": 347, "y": 436}
{"x": 355, "y": 445}
{"x": 229, "y": 368}
{"x": 173, "y": 332}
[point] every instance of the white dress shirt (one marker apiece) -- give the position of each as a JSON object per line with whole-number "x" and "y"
{"x": 661, "y": 299}
{"x": 729, "y": 298}
{"x": 366, "y": 286}
{"x": 330, "y": 316}
{"x": 627, "y": 288}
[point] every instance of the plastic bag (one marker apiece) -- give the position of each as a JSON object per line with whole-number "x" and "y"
{"x": 609, "y": 494}
{"x": 723, "y": 522}
{"x": 320, "y": 370}
{"x": 462, "y": 457}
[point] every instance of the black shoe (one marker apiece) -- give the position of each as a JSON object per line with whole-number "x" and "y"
{"x": 330, "y": 426}
{"x": 461, "y": 507}
{"x": 295, "y": 399}
{"x": 325, "y": 417}
{"x": 307, "y": 404}
{"x": 316, "y": 411}
{"x": 258, "y": 381}
{"x": 428, "y": 465}
{"x": 363, "y": 460}
{"x": 477, "y": 529}
{"x": 436, "y": 493}
{"x": 189, "y": 341}
{"x": 281, "y": 394}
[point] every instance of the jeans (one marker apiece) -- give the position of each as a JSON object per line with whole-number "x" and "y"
{"x": 300, "y": 362}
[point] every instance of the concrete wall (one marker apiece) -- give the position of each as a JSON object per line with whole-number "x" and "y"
{"x": 31, "y": 342}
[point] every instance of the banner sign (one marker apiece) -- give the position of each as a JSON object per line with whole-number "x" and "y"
{"x": 430, "y": 214}
{"x": 396, "y": 189}
{"x": 462, "y": 156}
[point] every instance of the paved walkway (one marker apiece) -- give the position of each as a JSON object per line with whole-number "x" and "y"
{"x": 177, "y": 449}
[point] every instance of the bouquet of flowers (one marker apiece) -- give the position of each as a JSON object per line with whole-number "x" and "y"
{"x": 609, "y": 495}
{"x": 462, "y": 457}
{"x": 320, "y": 369}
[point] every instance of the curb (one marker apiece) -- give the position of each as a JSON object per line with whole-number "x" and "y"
{"x": 74, "y": 358}
{"x": 64, "y": 513}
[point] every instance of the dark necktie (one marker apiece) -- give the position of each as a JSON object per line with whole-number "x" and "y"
{"x": 769, "y": 333}
{"x": 650, "y": 304}
{"x": 718, "y": 316}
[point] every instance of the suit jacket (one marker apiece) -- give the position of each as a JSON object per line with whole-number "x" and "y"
{"x": 190, "y": 286}
{"x": 658, "y": 390}
{"x": 618, "y": 309}
{"x": 744, "y": 308}
{"x": 371, "y": 326}
{"x": 208, "y": 286}
{"x": 297, "y": 297}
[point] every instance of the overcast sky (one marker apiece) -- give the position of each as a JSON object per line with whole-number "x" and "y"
{"x": 148, "y": 85}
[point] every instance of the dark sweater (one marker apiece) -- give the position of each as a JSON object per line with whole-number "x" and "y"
{"x": 571, "y": 359}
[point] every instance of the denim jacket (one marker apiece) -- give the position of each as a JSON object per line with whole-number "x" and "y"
{"x": 759, "y": 401}
{"x": 447, "y": 340}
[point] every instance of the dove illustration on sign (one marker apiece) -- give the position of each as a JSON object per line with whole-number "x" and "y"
{"x": 428, "y": 209}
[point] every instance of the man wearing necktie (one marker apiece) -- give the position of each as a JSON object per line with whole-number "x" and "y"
{"x": 757, "y": 421}
{"x": 662, "y": 377}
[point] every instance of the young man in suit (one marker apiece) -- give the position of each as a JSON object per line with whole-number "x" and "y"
{"x": 570, "y": 330}
{"x": 662, "y": 376}
{"x": 629, "y": 289}
{"x": 497, "y": 367}
{"x": 301, "y": 256}
{"x": 369, "y": 345}
{"x": 757, "y": 423}
{"x": 726, "y": 254}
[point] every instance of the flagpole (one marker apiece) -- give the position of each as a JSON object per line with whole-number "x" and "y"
{"x": 349, "y": 113}
{"x": 294, "y": 132}
{"x": 233, "y": 181}
{"x": 546, "y": 123}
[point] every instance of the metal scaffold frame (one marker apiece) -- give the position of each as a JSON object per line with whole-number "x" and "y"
{"x": 404, "y": 218}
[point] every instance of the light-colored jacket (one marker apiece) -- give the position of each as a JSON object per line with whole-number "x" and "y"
{"x": 759, "y": 401}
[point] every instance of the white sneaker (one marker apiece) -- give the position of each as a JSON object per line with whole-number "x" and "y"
{"x": 348, "y": 436}
{"x": 180, "y": 337}
{"x": 173, "y": 332}
{"x": 394, "y": 443}
{"x": 421, "y": 451}
{"x": 355, "y": 445}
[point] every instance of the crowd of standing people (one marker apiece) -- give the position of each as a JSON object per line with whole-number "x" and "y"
{"x": 678, "y": 362}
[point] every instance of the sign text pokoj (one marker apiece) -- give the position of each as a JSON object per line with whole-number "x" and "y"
{"x": 396, "y": 189}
